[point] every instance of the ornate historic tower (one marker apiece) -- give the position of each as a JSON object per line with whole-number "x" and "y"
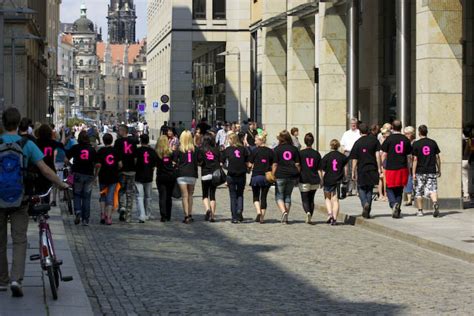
{"x": 122, "y": 19}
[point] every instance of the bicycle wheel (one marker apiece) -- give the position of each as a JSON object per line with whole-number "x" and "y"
{"x": 68, "y": 199}
{"x": 56, "y": 276}
{"x": 52, "y": 283}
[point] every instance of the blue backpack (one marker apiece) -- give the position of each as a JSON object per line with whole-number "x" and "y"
{"x": 12, "y": 171}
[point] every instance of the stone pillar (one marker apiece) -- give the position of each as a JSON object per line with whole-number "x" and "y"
{"x": 439, "y": 87}
{"x": 332, "y": 74}
{"x": 274, "y": 97}
{"x": 301, "y": 60}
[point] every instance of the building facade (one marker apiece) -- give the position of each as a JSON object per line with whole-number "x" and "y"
{"x": 25, "y": 77}
{"x": 87, "y": 83}
{"x": 185, "y": 38}
{"x": 121, "y": 21}
{"x": 64, "y": 96}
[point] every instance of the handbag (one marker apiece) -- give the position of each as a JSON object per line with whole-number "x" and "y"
{"x": 218, "y": 177}
{"x": 270, "y": 177}
{"x": 176, "y": 191}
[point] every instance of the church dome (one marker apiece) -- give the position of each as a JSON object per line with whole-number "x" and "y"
{"x": 83, "y": 24}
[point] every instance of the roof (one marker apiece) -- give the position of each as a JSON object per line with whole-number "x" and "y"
{"x": 83, "y": 25}
{"x": 118, "y": 51}
{"x": 67, "y": 38}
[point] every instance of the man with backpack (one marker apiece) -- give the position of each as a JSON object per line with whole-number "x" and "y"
{"x": 16, "y": 153}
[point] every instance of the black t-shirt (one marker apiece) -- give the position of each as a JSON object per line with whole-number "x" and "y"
{"x": 397, "y": 147}
{"x": 147, "y": 159}
{"x": 236, "y": 159}
{"x": 251, "y": 134}
{"x": 187, "y": 163}
{"x": 107, "y": 159}
{"x": 310, "y": 164}
{"x": 203, "y": 127}
{"x": 126, "y": 149}
{"x": 209, "y": 160}
{"x": 365, "y": 151}
{"x": 85, "y": 158}
{"x": 286, "y": 156}
{"x": 333, "y": 166}
{"x": 166, "y": 170}
{"x": 48, "y": 147}
{"x": 425, "y": 150}
{"x": 262, "y": 159}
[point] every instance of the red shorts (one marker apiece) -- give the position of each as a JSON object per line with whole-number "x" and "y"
{"x": 396, "y": 178}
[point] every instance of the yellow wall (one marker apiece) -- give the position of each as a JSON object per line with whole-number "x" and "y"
{"x": 256, "y": 10}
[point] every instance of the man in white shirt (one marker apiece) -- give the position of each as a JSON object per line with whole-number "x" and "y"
{"x": 347, "y": 142}
{"x": 221, "y": 137}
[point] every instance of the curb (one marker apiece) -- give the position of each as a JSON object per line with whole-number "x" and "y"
{"x": 390, "y": 232}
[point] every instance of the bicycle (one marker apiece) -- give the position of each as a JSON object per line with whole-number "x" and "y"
{"x": 68, "y": 194}
{"x": 38, "y": 209}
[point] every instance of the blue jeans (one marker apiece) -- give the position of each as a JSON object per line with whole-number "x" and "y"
{"x": 108, "y": 198}
{"x": 395, "y": 196}
{"x": 365, "y": 194}
{"x": 284, "y": 189}
{"x": 409, "y": 187}
{"x": 236, "y": 193}
{"x": 82, "y": 194}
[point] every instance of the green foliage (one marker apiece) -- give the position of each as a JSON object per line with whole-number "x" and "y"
{"x": 73, "y": 121}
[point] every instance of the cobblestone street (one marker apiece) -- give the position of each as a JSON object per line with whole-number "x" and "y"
{"x": 220, "y": 268}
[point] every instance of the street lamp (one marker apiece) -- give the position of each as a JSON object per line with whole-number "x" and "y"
{"x": 14, "y": 38}
{"x": 18, "y": 10}
{"x": 229, "y": 53}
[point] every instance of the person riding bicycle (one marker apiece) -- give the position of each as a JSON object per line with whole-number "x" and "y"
{"x": 13, "y": 164}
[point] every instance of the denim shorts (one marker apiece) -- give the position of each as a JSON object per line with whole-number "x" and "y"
{"x": 330, "y": 188}
{"x": 109, "y": 197}
{"x": 284, "y": 189}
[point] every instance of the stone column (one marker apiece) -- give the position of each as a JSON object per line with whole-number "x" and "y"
{"x": 274, "y": 107}
{"x": 332, "y": 74}
{"x": 439, "y": 87}
{"x": 301, "y": 60}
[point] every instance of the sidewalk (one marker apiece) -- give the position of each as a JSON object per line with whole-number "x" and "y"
{"x": 452, "y": 233}
{"x": 38, "y": 300}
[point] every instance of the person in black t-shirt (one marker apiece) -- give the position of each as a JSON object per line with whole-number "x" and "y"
{"x": 426, "y": 170}
{"x": 249, "y": 138}
{"x": 146, "y": 163}
{"x": 165, "y": 177}
{"x": 261, "y": 161}
{"x": 203, "y": 126}
{"x": 366, "y": 167}
{"x": 396, "y": 151}
{"x": 310, "y": 177}
{"x": 107, "y": 168}
{"x": 332, "y": 167}
{"x": 186, "y": 159}
{"x": 84, "y": 160}
{"x": 209, "y": 159}
{"x": 236, "y": 158}
{"x": 286, "y": 169}
{"x": 126, "y": 149}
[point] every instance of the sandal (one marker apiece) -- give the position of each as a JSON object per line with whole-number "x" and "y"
{"x": 186, "y": 220}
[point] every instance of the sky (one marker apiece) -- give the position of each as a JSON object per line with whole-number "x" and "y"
{"x": 97, "y": 13}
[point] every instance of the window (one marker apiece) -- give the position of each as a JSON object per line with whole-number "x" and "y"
{"x": 81, "y": 62}
{"x": 81, "y": 83}
{"x": 137, "y": 90}
{"x": 142, "y": 90}
{"x": 218, "y": 9}
{"x": 91, "y": 101}
{"x": 199, "y": 9}
{"x": 130, "y": 90}
{"x": 81, "y": 100}
{"x": 91, "y": 83}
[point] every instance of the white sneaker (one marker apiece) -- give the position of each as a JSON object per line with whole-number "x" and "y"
{"x": 420, "y": 213}
{"x": 16, "y": 289}
{"x": 308, "y": 218}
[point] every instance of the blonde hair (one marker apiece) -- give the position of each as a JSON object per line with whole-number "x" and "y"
{"x": 334, "y": 144}
{"x": 163, "y": 148}
{"x": 235, "y": 140}
{"x": 387, "y": 126}
{"x": 186, "y": 142}
{"x": 410, "y": 130}
{"x": 262, "y": 137}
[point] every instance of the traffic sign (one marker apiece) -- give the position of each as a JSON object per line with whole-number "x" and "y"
{"x": 155, "y": 106}
{"x": 141, "y": 107}
{"x": 165, "y": 108}
{"x": 165, "y": 98}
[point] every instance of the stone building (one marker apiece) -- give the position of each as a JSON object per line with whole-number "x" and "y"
{"x": 64, "y": 96}
{"x": 35, "y": 37}
{"x": 316, "y": 64}
{"x": 121, "y": 21}
{"x": 89, "y": 97}
{"x": 185, "y": 39}
{"x": 123, "y": 69}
